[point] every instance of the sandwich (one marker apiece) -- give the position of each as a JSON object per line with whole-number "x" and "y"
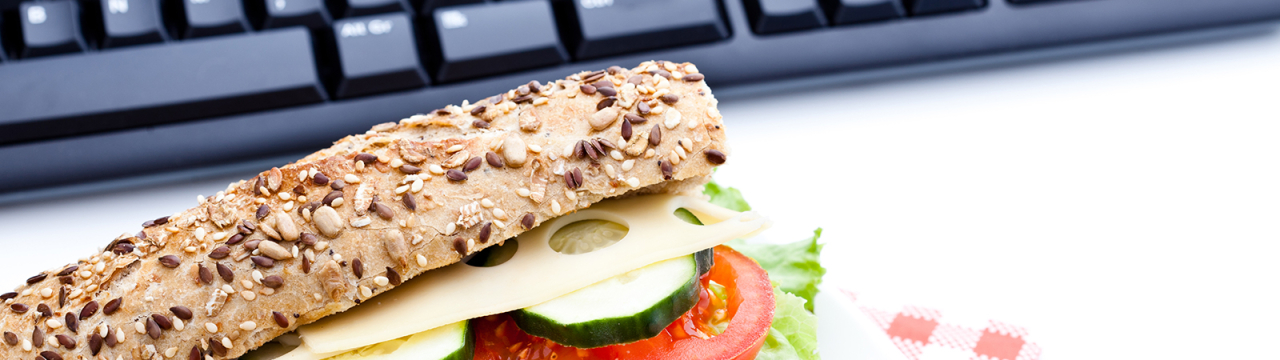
{"x": 569, "y": 220}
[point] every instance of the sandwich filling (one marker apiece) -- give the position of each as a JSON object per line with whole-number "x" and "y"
{"x": 633, "y": 278}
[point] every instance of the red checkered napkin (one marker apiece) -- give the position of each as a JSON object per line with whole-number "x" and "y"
{"x": 923, "y": 333}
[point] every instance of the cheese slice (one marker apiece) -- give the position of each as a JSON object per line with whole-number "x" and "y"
{"x": 534, "y": 275}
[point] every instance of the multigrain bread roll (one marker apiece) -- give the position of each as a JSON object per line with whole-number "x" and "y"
{"x": 318, "y": 236}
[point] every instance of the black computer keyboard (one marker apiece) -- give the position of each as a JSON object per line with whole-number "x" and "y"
{"x": 98, "y": 89}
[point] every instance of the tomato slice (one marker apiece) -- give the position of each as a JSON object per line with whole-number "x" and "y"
{"x": 701, "y": 333}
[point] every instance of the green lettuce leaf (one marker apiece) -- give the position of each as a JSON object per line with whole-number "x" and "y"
{"x": 794, "y": 334}
{"x": 793, "y": 266}
{"x": 726, "y": 197}
{"x": 795, "y": 272}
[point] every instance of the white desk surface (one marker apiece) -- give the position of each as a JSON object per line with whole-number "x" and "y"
{"x": 1119, "y": 206}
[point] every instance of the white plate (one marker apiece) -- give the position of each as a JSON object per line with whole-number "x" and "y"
{"x": 846, "y": 333}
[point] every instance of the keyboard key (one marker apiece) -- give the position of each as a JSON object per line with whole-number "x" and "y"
{"x": 130, "y": 22}
{"x": 150, "y": 85}
{"x": 270, "y": 14}
{"x": 50, "y": 28}
{"x": 860, "y": 11}
{"x": 199, "y": 18}
{"x": 494, "y": 38}
{"x": 925, "y": 7}
{"x": 599, "y": 28}
{"x": 376, "y": 54}
{"x": 775, "y": 16}
{"x": 429, "y": 5}
{"x": 353, "y": 8}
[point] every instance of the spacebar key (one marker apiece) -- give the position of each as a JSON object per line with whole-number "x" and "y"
{"x": 132, "y": 87}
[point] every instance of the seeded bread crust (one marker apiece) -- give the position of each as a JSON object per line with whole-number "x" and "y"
{"x": 316, "y": 237}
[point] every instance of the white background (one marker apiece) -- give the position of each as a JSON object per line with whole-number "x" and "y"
{"x": 1119, "y": 206}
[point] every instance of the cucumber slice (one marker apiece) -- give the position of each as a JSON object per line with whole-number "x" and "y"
{"x": 626, "y": 308}
{"x": 705, "y": 261}
{"x": 687, "y": 216}
{"x": 450, "y": 342}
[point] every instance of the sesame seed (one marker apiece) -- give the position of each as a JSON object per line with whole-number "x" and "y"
{"x": 211, "y": 327}
{"x": 140, "y": 327}
{"x": 454, "y": 149}
{"x": 365, "y": 292}
{"x": 555, "y": 206}
{"x": 351, "y": 179}
{"x": 46, "y": 292}
{"x": 247, "y": 326}
{"x": 53, "y": 324}
{"x": 228, "y": 289}
{"x": 499, "y": 214}
{"x": 626, "y": 165}
{"x": 535, "y": 148}
{"x": 422, "y": 260}
{"x": 486, "y": 203}
{"x": 178, "y": 324}
{"x": 248, "y": 295}
{"x": 226, "y": 342}
{"x": 633, "y": 182}
{"x": 523, "y": 192}
{"x": 381, "y": 280}
{"x": 337, "y": 202}
{"x": 569, "y": 149}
